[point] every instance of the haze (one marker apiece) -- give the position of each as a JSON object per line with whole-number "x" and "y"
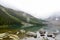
{"x": 37, "y": 8}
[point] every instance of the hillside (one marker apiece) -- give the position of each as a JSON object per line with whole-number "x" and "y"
{"x": 13, "y": 19}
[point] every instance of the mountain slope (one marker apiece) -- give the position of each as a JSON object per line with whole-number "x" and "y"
{"x": 13, "y": 19}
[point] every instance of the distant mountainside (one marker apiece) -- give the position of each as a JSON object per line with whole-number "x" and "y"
{"x": 53, "y": 22}
{"x": 55, "y": 19}
{"x": 10, "y": 19}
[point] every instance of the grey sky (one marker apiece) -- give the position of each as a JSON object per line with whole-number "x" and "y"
{"x": 37, "y": 8}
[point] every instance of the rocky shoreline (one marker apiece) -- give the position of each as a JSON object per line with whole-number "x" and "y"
{"x": 28, "y": 35}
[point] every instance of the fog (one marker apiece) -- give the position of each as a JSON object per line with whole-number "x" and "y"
{"x": 37, "y": 8}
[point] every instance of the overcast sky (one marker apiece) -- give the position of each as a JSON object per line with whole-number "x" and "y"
{"x": 37, "y": 8}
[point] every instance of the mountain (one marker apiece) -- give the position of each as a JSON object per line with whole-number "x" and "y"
{"x": 13, "y": 19}
{"x": 53, "y": 22}
{"x": 55, "y": 19}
